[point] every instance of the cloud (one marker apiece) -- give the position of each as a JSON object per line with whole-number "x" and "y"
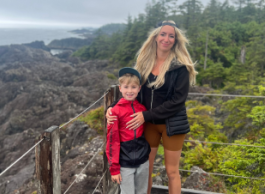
{"x": 85, "y": 13}
{"x": 69, "y": 13}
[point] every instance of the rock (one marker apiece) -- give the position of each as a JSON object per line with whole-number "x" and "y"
{"x": 37, "y": 45}
{"x": 91, "y": 175}
{"x": 70, "y": 43}
{"x": 200, "y": 180}
{"x": 158, "y": 160}
{"x": 80, "y": 177}
{"x": 38, "y": 90}
{"x": 65, "y": 54}
{"x": 157, "y": 180}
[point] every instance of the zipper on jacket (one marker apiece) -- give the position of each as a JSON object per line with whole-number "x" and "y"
{"x": 134, "y": 134}
{"x": 152, "y": 98}
{"x": 152, "y": 95}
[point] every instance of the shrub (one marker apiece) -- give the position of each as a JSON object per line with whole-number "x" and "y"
{"x": 95, "y": 119}
{"x": 111, "y": 76}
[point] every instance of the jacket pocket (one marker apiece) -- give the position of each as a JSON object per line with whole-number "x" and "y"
{"x": 178, "y": 123}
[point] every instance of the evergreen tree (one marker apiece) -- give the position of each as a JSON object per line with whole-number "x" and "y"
{"x": 191, "y": 10}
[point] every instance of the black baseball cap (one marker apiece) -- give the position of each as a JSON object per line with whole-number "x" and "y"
{"x": 131, "y": 71}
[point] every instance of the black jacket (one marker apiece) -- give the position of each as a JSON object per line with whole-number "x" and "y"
{"x": 161, "y": 108}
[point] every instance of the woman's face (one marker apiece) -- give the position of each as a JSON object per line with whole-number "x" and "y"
{"x": 166, "y": 38}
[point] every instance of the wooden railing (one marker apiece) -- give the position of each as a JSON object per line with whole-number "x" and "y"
{"x": 47, "y": 154}
{"x": 108, "y": 186}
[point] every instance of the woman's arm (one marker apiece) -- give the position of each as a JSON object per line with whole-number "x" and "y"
{"x": 170, "y": 107}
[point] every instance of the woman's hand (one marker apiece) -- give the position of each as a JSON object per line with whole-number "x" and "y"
{"x": 136, "y": 121}
{"x": 110, "y": 119}
{"x": 116, "y": 178}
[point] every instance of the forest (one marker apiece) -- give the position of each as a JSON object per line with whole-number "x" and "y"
{"x": 227, "y": 43}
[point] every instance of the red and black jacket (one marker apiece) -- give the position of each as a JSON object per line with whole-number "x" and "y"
{"x": 126, "y": 148}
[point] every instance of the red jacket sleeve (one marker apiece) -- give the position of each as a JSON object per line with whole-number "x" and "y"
{"x": 113, "y": 146}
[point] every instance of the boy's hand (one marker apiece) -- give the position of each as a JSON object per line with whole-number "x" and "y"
{"x": 110, "y": 118}
{"x": 116, "y": 178}
{"x": 136, "y": 122}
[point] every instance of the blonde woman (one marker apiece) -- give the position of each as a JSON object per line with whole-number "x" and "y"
{"x": 167, "y": 71}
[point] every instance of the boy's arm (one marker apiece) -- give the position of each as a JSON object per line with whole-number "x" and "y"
{"x": 113, "y": 146}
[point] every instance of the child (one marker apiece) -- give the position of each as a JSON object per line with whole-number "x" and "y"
{"x": 127, "y": 150}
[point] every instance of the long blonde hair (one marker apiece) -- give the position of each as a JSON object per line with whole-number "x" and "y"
{"x": 146, "y": 57}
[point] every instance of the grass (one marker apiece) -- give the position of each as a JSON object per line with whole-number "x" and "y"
{"x": 111, "y": 76}
{"x": 160, "y": 150}
{"x": 95, "y": 119}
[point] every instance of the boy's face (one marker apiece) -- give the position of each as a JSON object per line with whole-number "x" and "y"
{"x": 129, "y": 91}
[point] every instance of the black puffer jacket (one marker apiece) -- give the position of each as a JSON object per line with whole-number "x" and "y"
{"x": 157, "y": 102}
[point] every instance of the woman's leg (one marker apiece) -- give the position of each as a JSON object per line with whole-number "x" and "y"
{"x": 152, "y": 156}
{"x": 153, "y": 136}
{"x": 172, "y": 147}
{"x": 172, "y": 167}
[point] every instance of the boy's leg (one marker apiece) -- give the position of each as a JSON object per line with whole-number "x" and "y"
{"x": 127, "y": 182}
{"x": 141, "y": 178}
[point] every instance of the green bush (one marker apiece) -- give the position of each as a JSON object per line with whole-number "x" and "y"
{"x": 111, "y": 76}
{"x": 95, "y": 119}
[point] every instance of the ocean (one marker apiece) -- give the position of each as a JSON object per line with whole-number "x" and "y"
{"x": 19, "y": 35}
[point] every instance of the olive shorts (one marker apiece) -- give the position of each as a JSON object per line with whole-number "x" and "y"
{"x": 153, "y": 134}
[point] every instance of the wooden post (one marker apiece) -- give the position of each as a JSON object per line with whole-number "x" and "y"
{"x": 112, "y": 96}
{"x": 47, "y": 159}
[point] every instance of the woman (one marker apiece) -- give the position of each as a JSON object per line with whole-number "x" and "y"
{"x": 167, "y": 71}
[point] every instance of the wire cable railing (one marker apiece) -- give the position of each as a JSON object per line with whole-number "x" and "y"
{"x": 99, "y": 181}
{"x": 84, "y": 168}
{"x": 220, "y": 174}
{"x": 105, "y": 93}
{"x": 21, "y": 157}
{"x": 224, "y": 95}
{"x": 220, "y": 143}
{"x": 84, "y": 111}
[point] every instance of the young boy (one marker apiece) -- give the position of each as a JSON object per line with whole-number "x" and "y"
{"x": 127, "y": 150}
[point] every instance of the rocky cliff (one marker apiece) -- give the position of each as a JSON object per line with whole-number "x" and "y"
{"x": 38, "y": 90}
{"x": 70, "y": 43}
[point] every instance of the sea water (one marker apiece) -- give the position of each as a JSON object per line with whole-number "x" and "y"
{"x": 19, "y": 35}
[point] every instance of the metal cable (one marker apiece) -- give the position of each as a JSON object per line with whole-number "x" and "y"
{"x": 99, "y": 181}
{"x": 59, "y": 128}
{"x": 21, "y": 157}
{"x": 219, "y": 174}
{"x": 224, "y": 95}
{"x": 224, "y": 143}
{"x": 84, "y": 168}
{"x": 85, "y": 110}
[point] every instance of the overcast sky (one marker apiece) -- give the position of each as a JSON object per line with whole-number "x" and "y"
{"x": 68, "y": 13}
